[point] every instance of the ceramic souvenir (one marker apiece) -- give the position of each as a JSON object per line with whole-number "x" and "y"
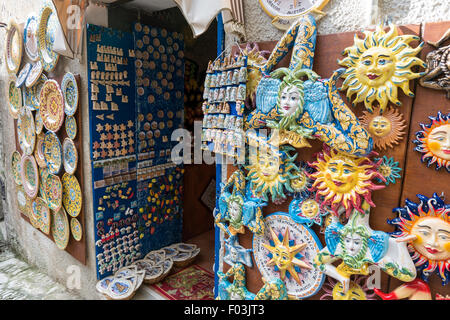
{"x": 273, "y": 289}
{"x": 23, "y": 74}
{"x": 52, "y": 106}
{"x": 39, "y": 151}
{"x": 46, "y": 34}
{"x": 43, "y": 174}
{"x": 34, "y": 74}
{"x": 38, "y": 122}
{"x": 426, "y": 228}
{"x": 76, "y": 229}
{"x": 70, "y": 156}
{"x": 15, "y": 99}
{"x": 52, "y": 152}
{"x": 29, "y": 175}
{"x": 30, "y": 37}
{"x": 53, "y": 191}
{"x": 344, "y": 181}
{"x": 185, "y": 247}
{"x": 72, "y": 198}
{"x": 433, "y": 141}
{"x": 15, "y": 167}
{"x": 33, "y": 94}
{"x": 71, "y": 127}
{"x": 69, "y": 89}
{"x": 26, "y": 131}
{"x": 378, "y": 65}
{"x": 307, "y": 211}
{"x": 235, "y": 253}
{"x": 35, "y": 214}
{"x": 286, "y": 252}
{"x": 13, "y": 48}
{"x": 121, "y": 289}
{"x": 358, "y": 290}
{"x": 41, "y": 210}
{"x": 235, "y": 290}
{"x": 23, "y": 202}
{"x": 102, "y": 285}
{"x": 60, "y": 228}
{"x": 414, "y": 290}
{"x": 153, "y": 273}
{"x": 389, "y": 169}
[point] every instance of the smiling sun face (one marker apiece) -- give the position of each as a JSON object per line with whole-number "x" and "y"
{"x": 378, "y": 65}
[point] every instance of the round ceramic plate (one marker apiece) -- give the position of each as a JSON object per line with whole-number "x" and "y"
{"x": 13, "y": 50}
{"x": 41, "y": 213}
{"x": 34, "y": 74}
{"x": 46, "y": 33}
{"x": 15, "y": 167}
{"x": 43, "y": 174}
{"x": 32, "y": 94}
{"x": 52, "y": 152}
{"x": 53, "y": 192}
{"x": 72, "y": 197}
{"x": 39, "y": 152}
{"x": 30, "y": 38}
{"x": 15, "y": 99}
{"x": 70, "y": 156}
{"x": 71, "y": 127}
{"x": 121, "y": 289}
{"x": 51, "y": 106}
{"x": 38, "y": 122}
{"x": 26, "y": 131}
{"x": 34, "y": 215}
{"x": 75, "y": 227}
{"x": 102, "y": 285}
{"x": 60, "y": 229}
{"x": 69, "y": 89}
{"x": 23, "y": 74}
{"x": 22, "y": 200}
{"x": 30, "y": 176}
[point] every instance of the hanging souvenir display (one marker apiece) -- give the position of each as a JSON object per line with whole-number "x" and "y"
{"x": 437, "y": 72}
{"x": 26, "y": 131}
{"x": 76, "y": 229}
{"x": 52, "y": 152}
{"x": 53, "y": 190}
{"x": 15, "y": 99}
{"x": 30, "y": 37}
{"x": 70, "y": 156}
{"x": 60, "y": 228}
{"x": 308, "y": 211}
{"x": 13, "y": 48}
{"x": 434, "y": 141}
{"x": 344, "y": 181}
{"x": 358, "y": 246}
{"x": 237, "y": 289}
{"x": 46, "y": 34}
{"x": 32, "y": 94}
{"x": 286, "y": 252}
{"x": 378, "y": 65}
{"x": 51, "y": 105}
{"x": 389, "y": 169}
{"x": 426, "y": 228}
{"x": 386, "y": 129}
{"x": 71, "y": 194}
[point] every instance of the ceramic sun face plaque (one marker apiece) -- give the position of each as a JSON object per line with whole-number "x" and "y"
{"x": 26, "y": 131}
{"x": 70, "y": 156}
{"x": 13, "y": 50}
{"x": 46, "y": 33}
{"x": 426, "y": 227}
{"x": 52, "y": 106}
{"x": 286, "y": 251}
{"x": 15, "y": 99}
{"x": 69, "y": 89}
{"x": 433, "y": 141}
{"x": 387, "y": 129}
{"x": 60, "y": 228}
{"x": 72, "y": 198}
{"x": 30, "y": 176}
{"x": 378, "y": 65}
{"x": 52, "y": 152}
{"x": 30, "y": 37}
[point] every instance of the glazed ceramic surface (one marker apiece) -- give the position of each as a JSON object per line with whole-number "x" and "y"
{"x": 120, "y": 289}
{"x": 53, "y": 191}
{"x": 52, "y": 152}
{"x": 30, "y": 38}
{"x": 13, "y": 50}
{"x": 70, "y": 156}
{"x": 34, "y": 215}
{"x": 75, "y": 227}
{"x": 15, "y": 167}
{"x": 15, "y": 99}
{"x": 43, "y": 174}
{"x": 23, "y": 74}
{"x": 69, "y": 89}
{"x": 42, "y": 214}
{"x": 26, "y": 131}
{"x": 71, "y": 127}
{"x": 47, "y": 29}
{"x": 51, "y": 106}
{"x": 60, "y": 229}
{"x": 72, "y": 197}
{"x": 38, "y": 122}
{"x": 32, "y": 94}
{"x": 34, "y": 74}
{"x": 30, "y": 176}
{"x": 22, "y": 200}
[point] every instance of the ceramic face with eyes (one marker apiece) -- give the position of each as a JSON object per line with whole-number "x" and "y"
{"x": 289, "y": 100}
{"x": 353, "y": 243}
{"x": 310, "y": 208}
{"x": 341, "y": 175}
{"x": 376, "y": 66}
{"x": 380, "y": 126}
{"x": 235, "y": 211}
{"x": 269, "y": 166}
{"x": 433, "y": 238}
{"x": 439, "y": 142}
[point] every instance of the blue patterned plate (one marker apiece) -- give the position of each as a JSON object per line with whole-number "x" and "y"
{"x": 70, "y": 156}
{"x": 23, "y": 74}
{"x": 48, "y": 24}
{"x": 69, "y": 89}
{"x": 34, "y": 74}
{"x": 71, "y": 127}
{"x": 15, "y": 99}
{"x": 52, "y": 152}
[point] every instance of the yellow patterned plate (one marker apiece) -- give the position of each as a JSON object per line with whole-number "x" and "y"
{"x": 72, "y": 198}
{"x": 26, "y": 131}
{"x": 70, "y": 156}
{"x": 38, "y": 122}
{"x": 15, "y": 167}
{"x": 53, "y": 192}
{"x": 75, "y": 227}
{"x": 30, "y": 176}
{"x": 52, "y": 152}
{"x": 60, "y": 228}
{"x": 41, "y": 215}
{"x": 15, "y": 99}
{"x": 43, "y": 174}
{"x": 71, "y": 127}
{"x": 14, "y": 46}
{"x": 51, "y": 105}
{"x": 48, "y": 24}
{"x": 39, "y": 152}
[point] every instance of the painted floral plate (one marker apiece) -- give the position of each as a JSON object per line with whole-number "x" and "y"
{"x": 15, "y": 167}
{"x": 32, "y": 94}
{"x": 14, "y": 44}
{"x": 41, "y": 213}
{"x": 34, "y": 74}
{"x": 72, "y": 197}
{"x": 52, "y": 152}
{"x": 38, "y": 122}
{"x": 71, "y": 127}
{"x": 51, "y": 105}
{"x": 39, "y": 152}
{"x": 43, "y": 174}
{"x": 60, "y": 229}
{"x": 30, "y": 176}
{"x": 23, "y": 74}
{"x": 34, "y": 215}
{"x": 53, "y": 191}
{"x": 77, "y": 230}
{"x": 26, "y": 131}
{"x": 30, "y": 37}
{"x": 46, "y": 33}
{"x": 69, "y": 89}
{"x": 15, "y": 99}
{"x": 70, "y": 156}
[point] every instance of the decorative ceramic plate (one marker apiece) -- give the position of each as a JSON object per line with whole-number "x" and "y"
{"x": 33, "y": 94}
{"x": 15, "y": 99}
{"x": 41, "y": 213}
{"x": 53, "y": 192}
{"x": 43, "y": 174}
{"x": 52, "y": 106}
{"x": 48, "y": 24}
{"x": 38, "y": 122}
{"x": 34, "y": 74}
{"x": 22, "y": 200}
{"x": 102, "y": 285}
{"x": 13, "y": 50}
{"x": 30, "y": 38}
{"x": 170, "y": 252}
{"x": 26, "y": 131}
{"x": 75, "y": 227}
{"x": 186, "y": 247}
{"x": 39, "y": 152}
{"x": 52, "y": 152}
{"x": 23, "y": 74}
{"x": 70, "y": 156}
{"x": 121, "y": 289}
{"x": 30, "y": 176}
{"x": 69, "y": 89}
{"x": 72, "y": 197}
{"x": 15, "y": 167}
{"x": 35, "y": 215}
{"x": 71, "y": 127}
{"x": 60, "y": 229}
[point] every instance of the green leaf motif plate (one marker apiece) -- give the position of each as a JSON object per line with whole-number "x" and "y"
{"x": 72, "y": 198}
{"x": 15, "y": 99}
{"x": 52, "y": 152}
{"x": 60, "y": 229}
{"x": 26, "y": 131}
{"x": 75, "y": 227}
{"x": 48, "y": 24}
{"x": 53, "y": 192}
{"x": 15, "y": 167}
{"x": 71, "y": 127}
{"x": 30, "y": 176}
